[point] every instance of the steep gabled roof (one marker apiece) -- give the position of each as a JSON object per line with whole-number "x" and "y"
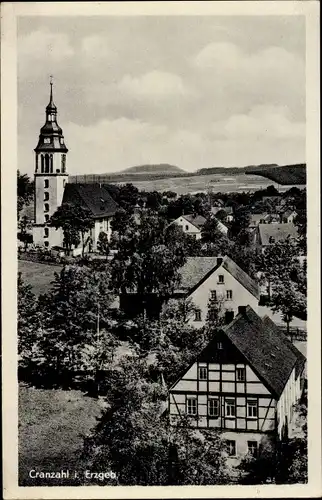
{"x": 270, "y": 233}
{"x": 91, "y": 196}
{"x": 197, "y": 269}
{"x": 198, "y": 220}
{"x": 266, "y": 348}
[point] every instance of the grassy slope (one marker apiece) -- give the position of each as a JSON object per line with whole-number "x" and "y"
{"x": 51, "y": 426}
{"x": 38, "y": 275}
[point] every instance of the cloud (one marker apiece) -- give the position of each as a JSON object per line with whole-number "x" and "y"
{"x": 262, "y": 122}
{"x": 156, "y": 84}
{"x": 42, "y": 44}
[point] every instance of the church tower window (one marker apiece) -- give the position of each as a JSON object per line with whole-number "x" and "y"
{"x": 46, "y": 183}
{"x": 46, "y": 196}
{"x": 46, "y": 207}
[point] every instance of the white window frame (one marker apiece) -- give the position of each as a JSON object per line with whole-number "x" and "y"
{"x": 219, "y": 346}
{"x": 252, "y": 447}
{"x": 198, "y": 315}
{"x": 230, "y": 404}
{"x": 47, "y": 140}
{"x": 203, "y": 370}
{"x": 192, "y": 406}
{"x": 229, "y": 294}
{"x": 212, "y": 407}
{"x": 238, "y": 371}
{"x": 213, "y": 294}
{"x": 231, "y": 447}
{"x": 221, "y": 279}
{"x": 252, "y": 408}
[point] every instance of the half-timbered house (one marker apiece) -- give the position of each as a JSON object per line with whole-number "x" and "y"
{"x": 244, "y": 383}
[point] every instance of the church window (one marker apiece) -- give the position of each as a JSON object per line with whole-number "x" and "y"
{"x": 61, "y": 140}
{"x": 46, "y": 207}
{"x": 46, "y": 183}
{"x": 63, "y": 163}
{"x": 36, "y": 163}
{"x": 46, "y": 243}
{"x": 47, "y": 140}
{"x": 47, "y": 164}
{"x": 46, "y": 217}
{"x": 46, "y": 196}
{"x": 46, "y": 232}
{"x": 42, "y": 164}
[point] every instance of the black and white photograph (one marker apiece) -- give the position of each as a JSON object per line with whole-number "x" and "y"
{"x": 162, "y": 251}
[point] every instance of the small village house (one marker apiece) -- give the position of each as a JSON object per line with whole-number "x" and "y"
{"x": 216, "y": 278}
{"x": 268, "y": 234}
{"x": 244, "y": 383}
{"x": 192, "y": 225}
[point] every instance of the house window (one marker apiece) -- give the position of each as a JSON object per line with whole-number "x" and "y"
{"x": 229, "y": 294}
{"x": 202, "y": 373}
{"x": 213, "y": 294}
{"x": 46, "y": 217}
{"x": 219, "y": 345}
{"x": 221, "y": 278}
{"x": 231, "y": 448}
{"x": 197, "y": 315}
{"x": 46, "y": 207}
{"x": 230, "y": 408}
{"x": 46, "y": 232}
{"x": 46, "y": 183}
{"x": 252, "y": 408}
{"x": 192, "y": 406}
{"x": 213, "y": 408}
{"x": 46, "y": 196}
{"x": 241, "y": 374}
{"x": 252, "y": 448}
{"x": 187, "y": 228}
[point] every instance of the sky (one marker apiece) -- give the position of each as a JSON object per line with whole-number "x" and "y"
{"x": 192, "y": 91}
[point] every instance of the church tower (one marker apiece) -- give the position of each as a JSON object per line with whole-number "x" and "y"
{"x": 50, "y": 177}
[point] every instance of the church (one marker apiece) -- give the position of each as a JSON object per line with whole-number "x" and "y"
{"x": 52, "y": 188}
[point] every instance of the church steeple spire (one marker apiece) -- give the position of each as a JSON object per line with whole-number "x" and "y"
{"x": 51, "y": 135}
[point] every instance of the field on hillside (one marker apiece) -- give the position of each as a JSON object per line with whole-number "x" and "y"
{"x": 52, "y": 424}
{"x": 217, "y": 183}
{"x": 39, "y": 276}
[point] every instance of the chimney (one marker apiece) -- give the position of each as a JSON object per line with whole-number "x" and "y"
{"x": 219, "y": 261}
{"x": 242, "y": 310}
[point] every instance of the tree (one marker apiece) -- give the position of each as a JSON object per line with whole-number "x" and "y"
{"x": 103, "y": 245}
{"x": 210, "y": 232}
{"x": 301, "y": 223}
{"x": 73, "y": 220}
{"x": 25, "y": 191}
{"x": 239, "y": 227}
{"x": 145, "y": 264}
{"x": 24, "y": 225}
{"x": 28, "y": 317}
{"x": 134, "y": 439}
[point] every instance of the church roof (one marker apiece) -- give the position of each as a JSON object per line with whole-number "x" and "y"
{"x": 91, "y": 196}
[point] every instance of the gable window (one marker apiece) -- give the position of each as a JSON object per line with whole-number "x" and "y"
{"x": 219, "y": 345}
{"x": 213, "y": 407}
{"x": 202, "y": 373}
{"x": 46, "y": 183}
{"x": 230, "y": 408}
{"x": 46, "y": 196}
{"x": 213, "y": 294}
{"x": 192, "y": 406}
{"x": 187, "y": 228}
{"x": 46, "y": 207}
{"x": 229, "y": 294}
{"x": 252, "y": 408}
{"x": 241, "y": 374}
{"x": 197, "y": 315}
{"x": 221, "y": 278}
{"x": 231, "y": 448}
{"x": 252, "y": 448}
{"x": 46, "y": 232}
